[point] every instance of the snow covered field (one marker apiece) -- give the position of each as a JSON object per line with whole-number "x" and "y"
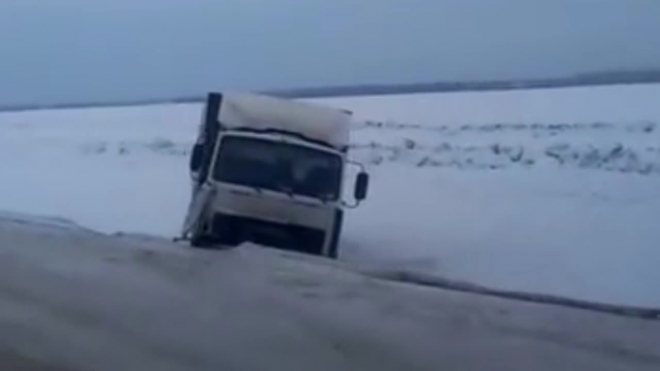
{"x": 552, "y": 191}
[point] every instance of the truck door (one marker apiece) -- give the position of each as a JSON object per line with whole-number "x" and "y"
{"x": 202, "y": 153}
{"x": 200, "y": 162}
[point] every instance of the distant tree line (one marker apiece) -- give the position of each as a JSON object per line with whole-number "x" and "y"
{"x": 585, "y": 79}
{"x": 614, "y": 77}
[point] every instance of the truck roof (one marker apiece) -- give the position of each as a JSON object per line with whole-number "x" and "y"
{"x": 260, "y": 112}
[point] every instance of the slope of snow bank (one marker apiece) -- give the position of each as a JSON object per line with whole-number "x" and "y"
{"x": 591, "y": 236}
{"x": 135, "y": 304}
{"x": 550, "y": 191}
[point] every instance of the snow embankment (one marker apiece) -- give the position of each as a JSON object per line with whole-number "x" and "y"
{"x": 135, "y": 304}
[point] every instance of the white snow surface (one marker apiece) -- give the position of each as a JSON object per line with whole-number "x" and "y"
{"x": 552, "y": 191}
{"x": 75, "y": 300}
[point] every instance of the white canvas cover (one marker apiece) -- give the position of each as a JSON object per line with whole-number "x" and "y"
{"x": 263, "y": 112}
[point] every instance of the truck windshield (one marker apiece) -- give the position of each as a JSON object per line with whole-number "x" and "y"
{"x": 279, "y": 166}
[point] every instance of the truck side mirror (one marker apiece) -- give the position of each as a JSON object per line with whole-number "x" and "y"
{"x": 196, "y": 158}
{"x": 361, "y": 186}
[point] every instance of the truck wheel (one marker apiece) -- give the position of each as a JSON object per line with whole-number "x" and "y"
{"x": 334, "y": 253}
{"x": 199, "y": 238}
{"x": 200, "y": 241}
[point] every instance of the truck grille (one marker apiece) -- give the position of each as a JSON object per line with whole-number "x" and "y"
{"x": 233, "y": 230}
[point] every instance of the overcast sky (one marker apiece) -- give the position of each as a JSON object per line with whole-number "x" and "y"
{"x": 81, "y": 50}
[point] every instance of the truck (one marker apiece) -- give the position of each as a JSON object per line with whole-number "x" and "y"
{"x": 271, "y": 171}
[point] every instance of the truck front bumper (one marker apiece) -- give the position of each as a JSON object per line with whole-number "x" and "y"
{"x": 234, "y": 230}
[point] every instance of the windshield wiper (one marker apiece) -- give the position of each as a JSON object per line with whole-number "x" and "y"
{"x": 256, "y": 187}
{"x": 287, "y": 191}
{"x": 324, "y": 199}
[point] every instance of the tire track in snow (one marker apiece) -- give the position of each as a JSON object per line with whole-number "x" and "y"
{"x": 418, "y": 278}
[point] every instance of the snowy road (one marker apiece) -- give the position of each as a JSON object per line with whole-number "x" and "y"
{"x": 75, "y": 300}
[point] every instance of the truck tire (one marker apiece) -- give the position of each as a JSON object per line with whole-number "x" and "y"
{"x": 199, "y": 238}
{"x": 333, "y": 253}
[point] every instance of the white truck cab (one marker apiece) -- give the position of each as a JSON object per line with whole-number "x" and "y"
{"x": 270, "y": 171}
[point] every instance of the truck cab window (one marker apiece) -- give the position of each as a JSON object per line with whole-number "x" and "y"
{"x": 278, "y": 166}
